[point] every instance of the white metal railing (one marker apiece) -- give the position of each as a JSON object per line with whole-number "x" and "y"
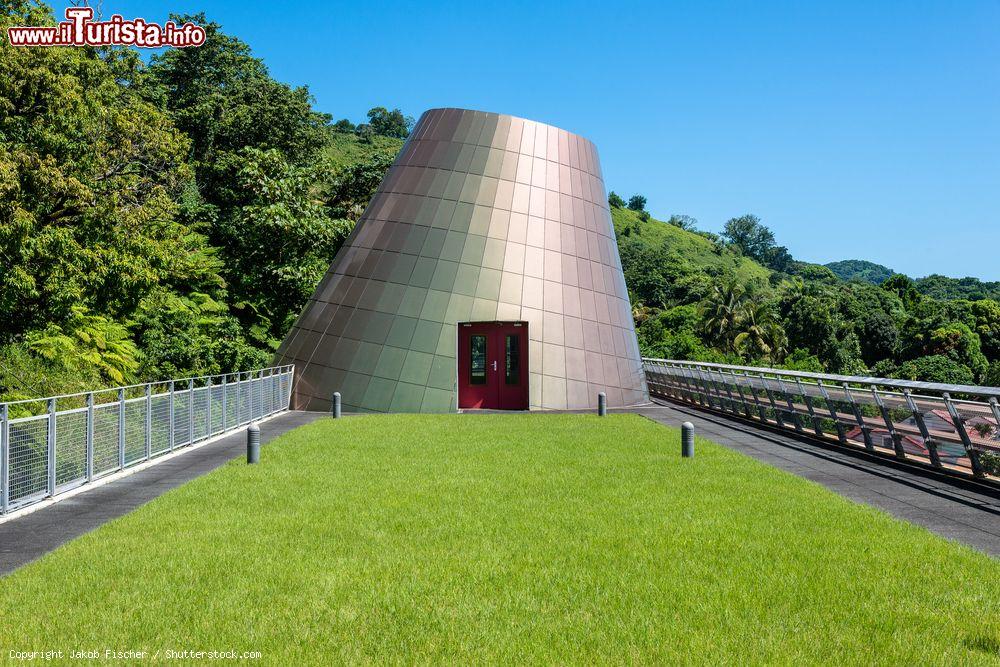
{"x": 954, "y": 428}
{"x": 51, "y": 445}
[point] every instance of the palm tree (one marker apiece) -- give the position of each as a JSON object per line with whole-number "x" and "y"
{"x": 721, "y": 312}
{"x": 761, "y": 335}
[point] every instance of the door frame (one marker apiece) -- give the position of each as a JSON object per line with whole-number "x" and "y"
{"x": 525, "y": 361}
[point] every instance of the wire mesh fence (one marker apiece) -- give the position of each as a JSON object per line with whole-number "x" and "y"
{"x": 51, "y": 445}
{"x": 953, "y": 428}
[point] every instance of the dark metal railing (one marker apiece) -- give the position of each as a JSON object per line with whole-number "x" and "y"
{"x": 953, "y": 428}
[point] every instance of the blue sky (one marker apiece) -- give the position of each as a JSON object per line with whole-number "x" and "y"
{"x": 863, "y": 130}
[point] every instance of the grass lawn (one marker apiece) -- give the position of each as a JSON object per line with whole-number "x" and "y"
{"x": 509, "y": 538}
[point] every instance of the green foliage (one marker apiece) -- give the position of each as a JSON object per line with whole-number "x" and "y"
{"x": 615, "y": 200}
{"x": 278, "y": 242}
{"x": 637, "y": 203}
{"x": 87, "y": 343}
{"x": 387, "y": 123}
{"x": 973, "y": 289}
{"x": 162, "y": 220}
{"x": 801, "y": 360}
{"x": 935, "y": 368}
{"x": 862, "y": 270}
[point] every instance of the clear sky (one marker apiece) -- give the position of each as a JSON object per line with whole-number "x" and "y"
{"x": 865, "y": 130}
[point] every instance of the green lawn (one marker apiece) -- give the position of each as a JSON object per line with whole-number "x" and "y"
{"x": 520, "y": 538}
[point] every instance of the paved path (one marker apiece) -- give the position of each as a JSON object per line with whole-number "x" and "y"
{"x": 967, "y": 513}
{"x": 28, "y": 537}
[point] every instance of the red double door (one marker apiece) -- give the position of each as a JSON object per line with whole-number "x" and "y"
{"x": 493, "y": 365}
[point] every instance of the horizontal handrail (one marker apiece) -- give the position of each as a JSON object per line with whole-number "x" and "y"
{"x": 880, "y": 415}
{"x": 850, "y": 379}
{"x": 127, "y": 387}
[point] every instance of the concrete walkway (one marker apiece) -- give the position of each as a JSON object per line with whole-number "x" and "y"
{"x": 966, "y": 512}
{"x": 25, "y": 538}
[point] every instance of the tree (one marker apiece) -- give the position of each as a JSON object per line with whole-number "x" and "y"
{"x": 637, "y": 203}
{"x": 346, "y": 192}
{"x": 343, "y": 125}
{"x": 685, "y": 222}
{"x": 986, "y": 320}
{"x": 903, "y": 287}
{"x": 615, "y": 200}
{"x": 224, "y": 99}
{"x": 721, "y": 312}
{"x": 958, "y": 342}
{"x": 761, "y": 337}
{"x": 936, "y": 368}
{"x": 389, "y": 123}
{"x": 751, "y": 237}
{"x": 279, "y": 242}
{"x": 91, "y": 180}
{"x": 879, "y": 337}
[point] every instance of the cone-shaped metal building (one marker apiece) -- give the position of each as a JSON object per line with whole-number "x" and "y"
{"x": 483, "y": 274}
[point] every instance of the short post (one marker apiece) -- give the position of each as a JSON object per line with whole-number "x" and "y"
{"x": 687, "y": 440}
{"x": 602, "y": 404}
{"x": 253, "y": 444}
{"x": 335, "y": 409}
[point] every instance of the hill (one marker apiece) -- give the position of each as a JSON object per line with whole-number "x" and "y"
{"x": 345, "y": 148}
{"x": 698, "y": 250}
{"x": 860, "y": 269}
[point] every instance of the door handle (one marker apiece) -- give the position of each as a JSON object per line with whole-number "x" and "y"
{"x": 494, "y": 364}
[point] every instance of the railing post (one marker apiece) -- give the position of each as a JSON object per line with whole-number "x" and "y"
{"x": 897, "y": 440}
{"x": 761, "y": 412}
{"x": 239, "y": 398}
{"x": 866, "y": 430}
{"x": 90, "y": 437}
{"x": 52, "y": 447}
{"x": 225, "y": 407}
{"x": 704, "y": 385}
{"x": 121, "y": 429}
{"x": 729, "y": 394}
{"x": 791, "y": 406}
{"x": 817, "y": 427}
{"x": 743, "y": 398}
{"x": 687, "y": 389}
{"x": 4, "y": 457}
{"x": 918, "y": 418}
{"x": 191, "y": 411}
{"x": 770, "y": 397}
{"x": 959, "y": 422}
{"x": 147, "y": 448}
{"x": 841, "y": 435}
{"x": 211, "y": 426}
{"x": 170, "y": 410}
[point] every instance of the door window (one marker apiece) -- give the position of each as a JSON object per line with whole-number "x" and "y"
{"x": 477, "y": 369}
{"x": 513, "y": 356}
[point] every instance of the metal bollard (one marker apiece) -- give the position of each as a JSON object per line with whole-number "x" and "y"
{"x": 335, "y": 409}
{"x": 602, "y": 404}
{"x": 687, "y": 440}
{"x": 253, "y": 443}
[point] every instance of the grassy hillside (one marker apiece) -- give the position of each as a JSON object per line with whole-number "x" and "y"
{"x": 693, "y": 247}
{"x": 345, "y": 148}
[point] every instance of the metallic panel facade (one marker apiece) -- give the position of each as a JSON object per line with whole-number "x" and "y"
{"x": 481, "y": 217}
